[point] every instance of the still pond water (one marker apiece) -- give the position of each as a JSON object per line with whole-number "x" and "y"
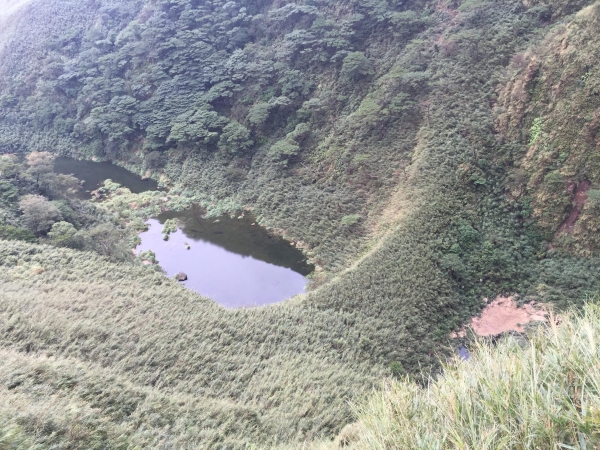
{"x": 235, "y": 263}
{"x": 93, "y": 175}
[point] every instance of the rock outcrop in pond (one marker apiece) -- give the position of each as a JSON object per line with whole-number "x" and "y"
{"x": 182, "y": 276}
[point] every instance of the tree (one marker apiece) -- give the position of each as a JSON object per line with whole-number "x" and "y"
{"x": 38, "y": 213}
{"x": 8, "y": 191}
{"x": 62, "y": 185}
{"x": 300, "y": 133}
{"x": 62, "y": 234}
{"x": 356, "y": 66}
{"x": 9, "y": 166}
{"x": 10, "y": 233}
{"x": 200, "y": 125}
{"x": 282, "y": 150}
{"x": 235, "y": 138}
{"x": 259, "y": 114}
{"x": 40, "y": 165}
{"x": 109, "y": 241}
{"x": 155, "y": 160}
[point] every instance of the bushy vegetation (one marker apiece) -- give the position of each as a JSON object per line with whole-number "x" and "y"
{"x": 551, "y": 102}
{"x": 366, "y": 131}
{"x": 38, "y": 204}
{"x": 227, "y": 87}
{"x": 538, "y": 392}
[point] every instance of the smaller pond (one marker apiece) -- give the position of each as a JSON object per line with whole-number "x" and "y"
{"x": 94, "y": 173}
{"x": 463, "y": 353}
{"x": 231, "y": 261}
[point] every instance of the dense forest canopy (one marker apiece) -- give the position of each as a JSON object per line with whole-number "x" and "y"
{"x": 162, "y": 75}
{"x": 425, "y": 156}
{"x": 250, "y": 90}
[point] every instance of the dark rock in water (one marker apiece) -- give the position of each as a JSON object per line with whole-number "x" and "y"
{"x": 181, "y": 276}
{"x": 239, "y": 268}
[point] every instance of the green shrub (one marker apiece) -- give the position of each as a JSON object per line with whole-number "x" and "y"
{"x": 170, "y": 226}
{"x": 454, "y": 264}
{"x": 536, "y": 130}
{"x": 397, "y": 369}
{"x": 351, "y": 219}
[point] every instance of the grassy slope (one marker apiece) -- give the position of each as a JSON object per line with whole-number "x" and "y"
{"x": 266, "y": 374}
{"x": 539, "y": 393}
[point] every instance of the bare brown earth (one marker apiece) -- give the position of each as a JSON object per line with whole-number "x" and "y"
{"x": 503, "y": 315}
{"x": 580, "y": 197}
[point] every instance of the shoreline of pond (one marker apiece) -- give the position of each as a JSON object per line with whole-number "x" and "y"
{"x": 172, "y": 208}
{"x": 226, "y": 259}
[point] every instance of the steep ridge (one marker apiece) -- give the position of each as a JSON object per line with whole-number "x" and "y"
{"x": 551, "y": 107}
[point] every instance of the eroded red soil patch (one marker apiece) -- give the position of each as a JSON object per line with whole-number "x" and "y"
{"x": 580, "y": 197}
{"x": 503, "y": 315}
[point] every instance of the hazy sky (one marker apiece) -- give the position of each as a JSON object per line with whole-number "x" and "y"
{"x": 7, "y": 9}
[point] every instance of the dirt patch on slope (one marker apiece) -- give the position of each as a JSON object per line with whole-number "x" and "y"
{"x": 578, "y": 201}
{"x": 503, "y": 315}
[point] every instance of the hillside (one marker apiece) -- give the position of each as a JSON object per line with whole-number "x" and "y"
{"x": 542, "y": 393}
{"x": 424, "y": 155}
{"x": 119, "y": 351}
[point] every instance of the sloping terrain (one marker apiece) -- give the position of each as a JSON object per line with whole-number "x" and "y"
{"x": 551, "y": 106}
{"x": 372, "y": 133}
{"x": 94, "y": 351}
{"x": 542, "y": 394}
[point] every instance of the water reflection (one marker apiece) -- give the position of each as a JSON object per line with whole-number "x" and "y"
{"x": 463, "y": 353}
{"x": 230, "y": 260}
{"x": 94, "y": 173}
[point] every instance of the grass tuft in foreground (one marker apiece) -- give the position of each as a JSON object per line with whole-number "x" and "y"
{"x": 541, "y": 393}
